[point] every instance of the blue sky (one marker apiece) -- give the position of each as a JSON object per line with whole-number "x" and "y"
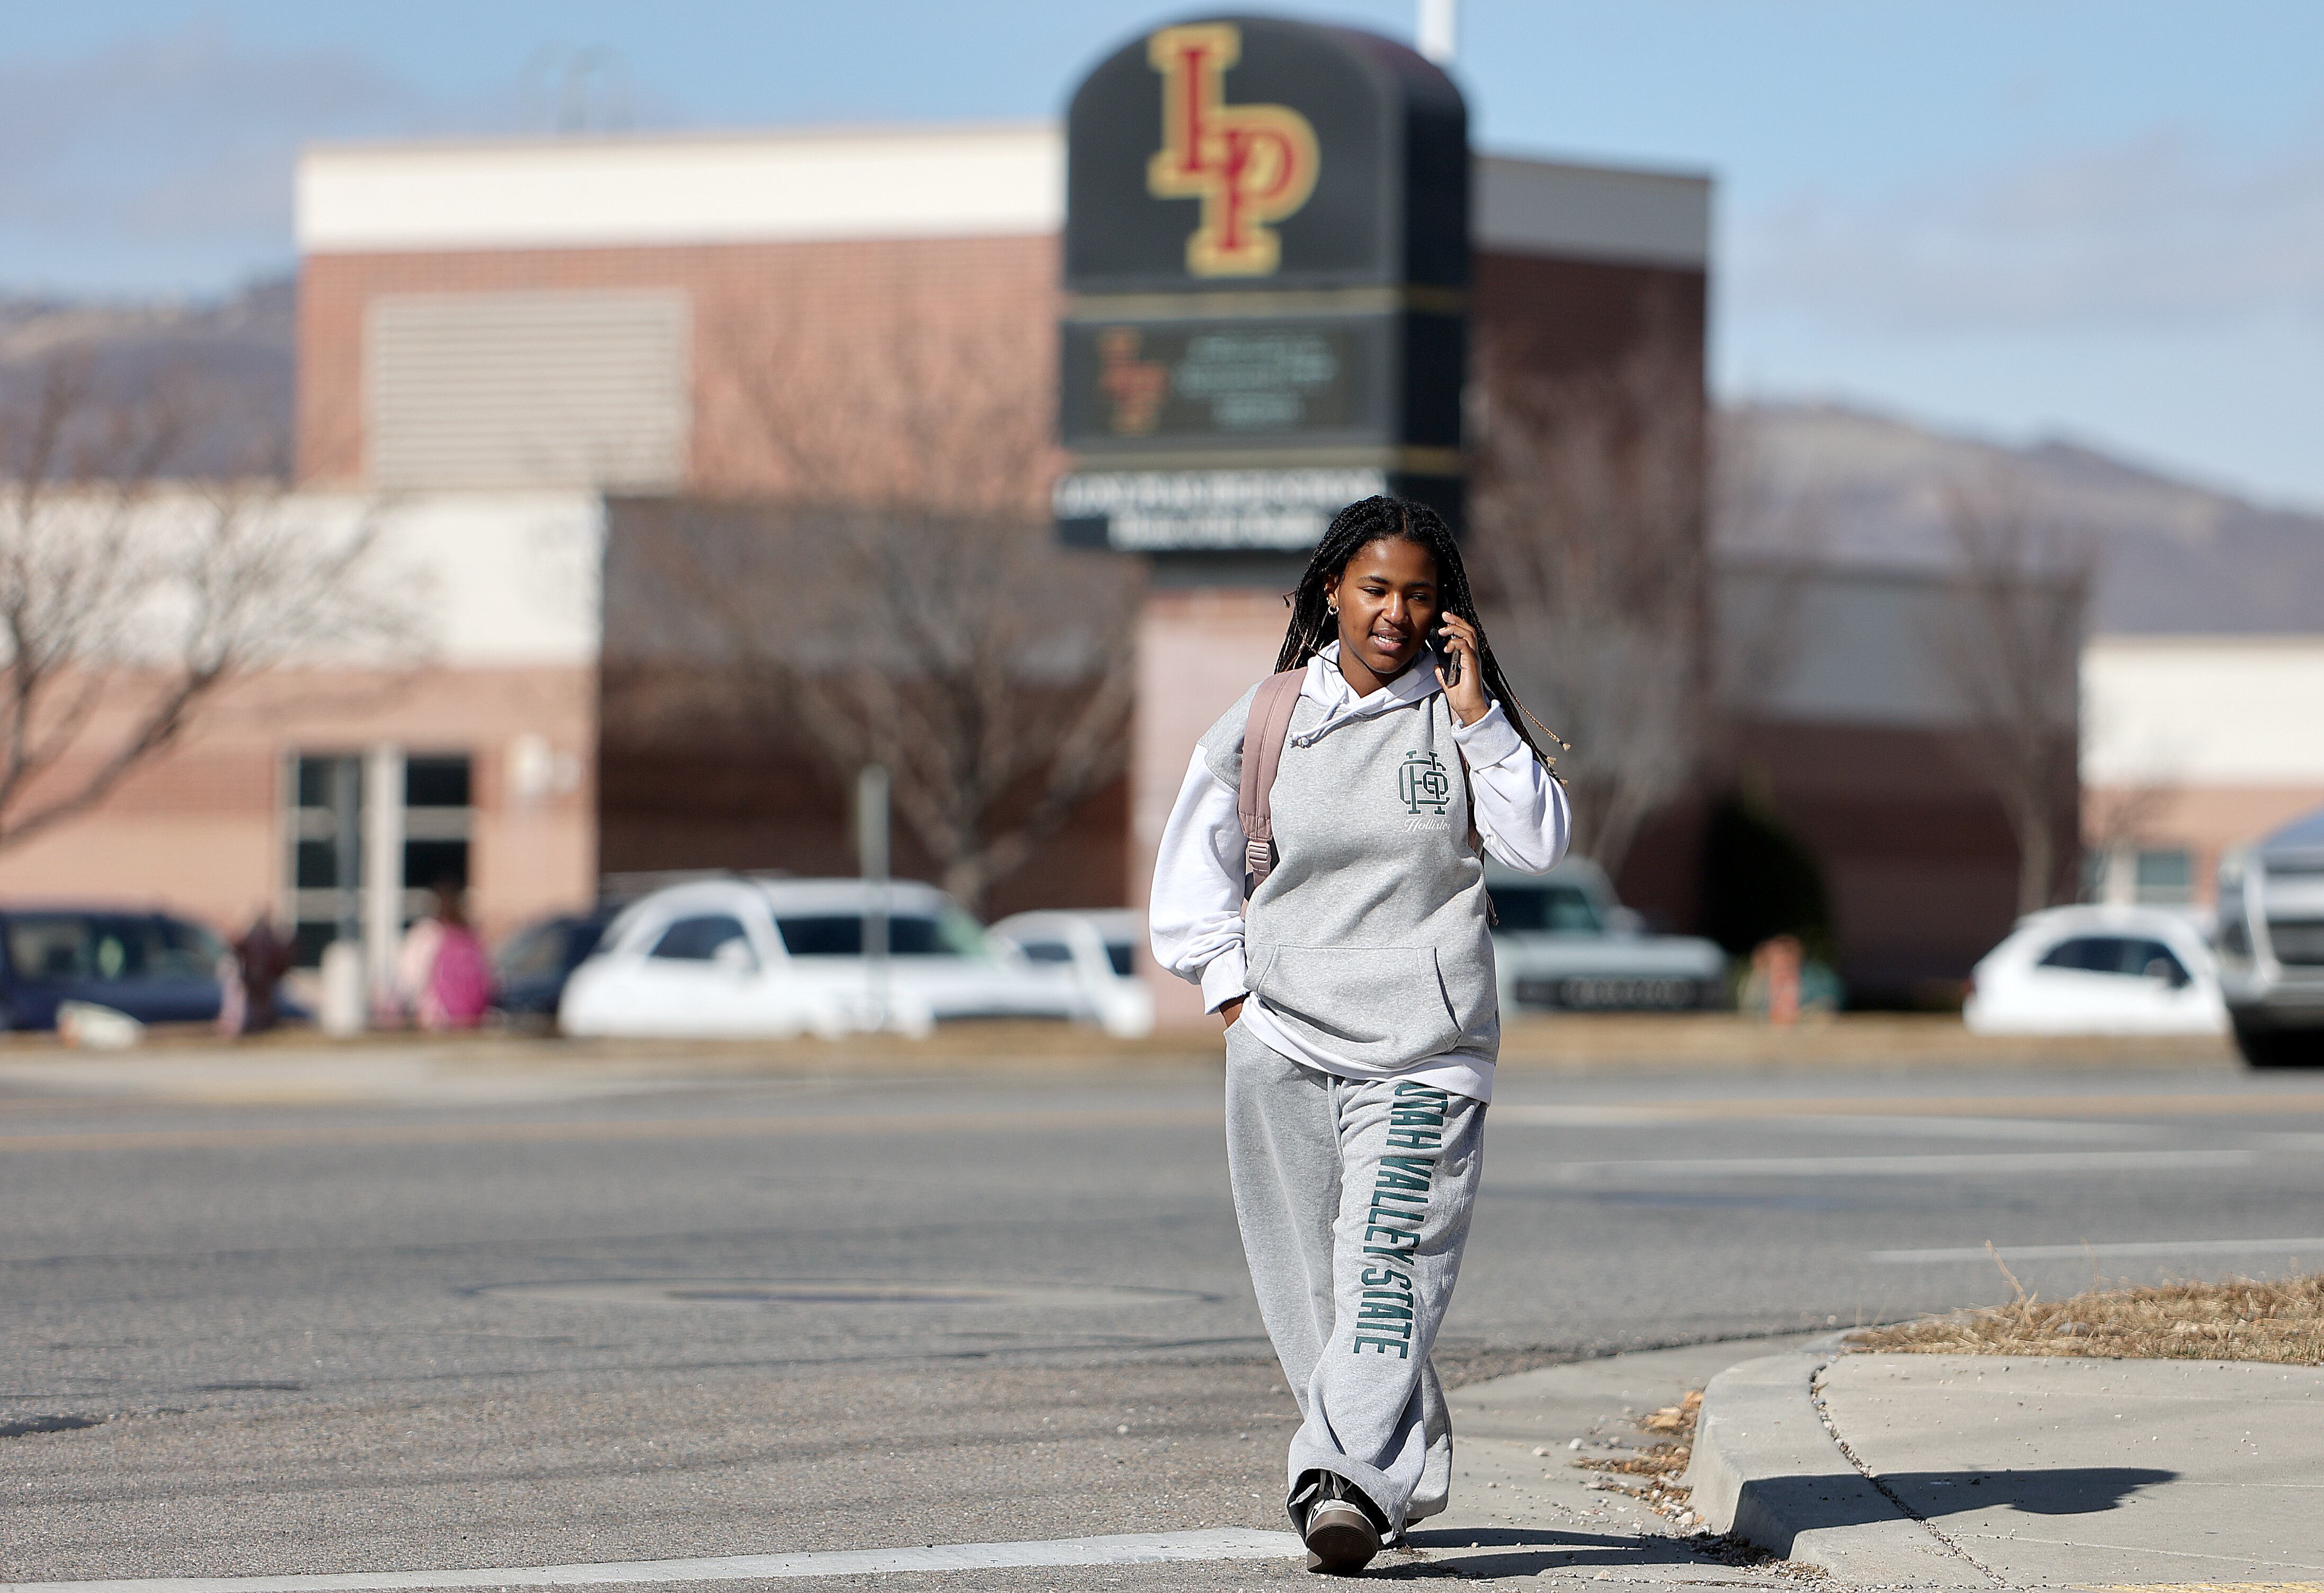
{"x": 2098, "y": 219}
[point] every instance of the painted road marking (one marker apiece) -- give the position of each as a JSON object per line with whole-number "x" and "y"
{"x": 1896, "y": 1125}
{"x": 2314, "y": 1247}
{"x": 2268, "y": 1103}
{"x": 734, "y": 1127}
{"x": 1129, "y": 1549}
{"x": 1928, "y": 1166}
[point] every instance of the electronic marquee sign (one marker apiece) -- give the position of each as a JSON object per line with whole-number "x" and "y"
{"x": 1266, "y": 265}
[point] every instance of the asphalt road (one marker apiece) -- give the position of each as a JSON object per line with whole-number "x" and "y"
{"x": 775, "y": 1316}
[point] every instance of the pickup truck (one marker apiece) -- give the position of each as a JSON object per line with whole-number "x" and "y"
{"x": 2271, "y": 946}
{"x": 1564, "y": 941}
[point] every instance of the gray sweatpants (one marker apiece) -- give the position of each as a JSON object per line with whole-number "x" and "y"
{"x": 1354, "y": 1197}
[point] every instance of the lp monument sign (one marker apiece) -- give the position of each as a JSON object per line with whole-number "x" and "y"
{"x": 1266, "y": 264}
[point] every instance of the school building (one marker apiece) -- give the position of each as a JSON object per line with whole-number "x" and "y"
{"x": 509, "y": 348}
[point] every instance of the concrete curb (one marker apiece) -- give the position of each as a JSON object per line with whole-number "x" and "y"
{"x": 1766, "y": 1469}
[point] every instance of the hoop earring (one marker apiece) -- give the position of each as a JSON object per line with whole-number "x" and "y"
{"x": 1333, "y": 610}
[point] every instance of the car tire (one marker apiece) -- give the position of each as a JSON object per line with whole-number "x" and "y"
{"x": 2280, "y": 1048}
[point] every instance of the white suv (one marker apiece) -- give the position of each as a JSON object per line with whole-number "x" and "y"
{"x": 745, "y": 958}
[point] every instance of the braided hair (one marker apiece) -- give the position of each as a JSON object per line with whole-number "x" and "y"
{"x": 1358, "y": 527}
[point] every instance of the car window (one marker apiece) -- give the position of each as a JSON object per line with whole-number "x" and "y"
{"x": 53, "y": 945}
{"x": 909, "y": 934}
{"x": 2156, "y": 961}
{"x": 822, "y": 934}
{"x": 697, "y": 940}
{"x": 1554, "y": 909}
{"x": 1046, "y": 951}
{"x": 536, "y": 952}
{"x": 2092, "y": 953}
{"x": 175, "y": 949}
{"x": 2129, "y": 955}
{"x": 1117, "y": 952}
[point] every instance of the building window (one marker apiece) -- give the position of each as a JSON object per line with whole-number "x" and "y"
{"x": 418, "y": 810}
{"x": 2165, "y": 875}
{"x": 439, "y": 819}
{"x": 326, "y": 854}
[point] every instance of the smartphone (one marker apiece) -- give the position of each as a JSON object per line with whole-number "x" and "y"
{"x": 1451, "y": 659}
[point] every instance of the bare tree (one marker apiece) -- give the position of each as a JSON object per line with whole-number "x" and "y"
{"x": 1768, "y": 542}
{"x": 128, "y": 605}
{"x": 906, "y": 602}
{"x": 1588, "y": 525}
{"x": 2010, "y": 646}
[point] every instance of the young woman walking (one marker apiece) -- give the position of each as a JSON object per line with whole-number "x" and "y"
{"x": 1357, "y": 986}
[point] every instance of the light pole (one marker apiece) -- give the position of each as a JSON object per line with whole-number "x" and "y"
{"x": 871, "y": 862}
{"x": 1437, "y": 30}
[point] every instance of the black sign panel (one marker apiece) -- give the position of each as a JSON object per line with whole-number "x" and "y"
{"x": 1259, "y": 153}
{"x": 1130, "y": 385}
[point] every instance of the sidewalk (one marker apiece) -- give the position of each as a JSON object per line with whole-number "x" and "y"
{"x": 187, "y": 1062}
{"x": 2019, "y": 1471}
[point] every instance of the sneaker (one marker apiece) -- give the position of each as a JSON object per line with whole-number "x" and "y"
{"x": 1342, "y": 1537}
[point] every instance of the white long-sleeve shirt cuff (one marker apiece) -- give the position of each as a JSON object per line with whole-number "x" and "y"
{"x": 1223, "y": 979}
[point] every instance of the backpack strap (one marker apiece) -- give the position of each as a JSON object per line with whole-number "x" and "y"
{"x": 1263, "y": 735}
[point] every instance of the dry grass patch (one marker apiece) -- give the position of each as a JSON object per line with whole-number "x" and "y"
{"x": 2238, "y": 1320}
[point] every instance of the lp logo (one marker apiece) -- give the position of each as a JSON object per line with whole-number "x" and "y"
{"x": 1249, "y": 164}
{"x": 1422, "y": 782}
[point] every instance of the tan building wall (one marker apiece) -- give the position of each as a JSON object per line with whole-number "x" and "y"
{"x": 2194, "y": 745}
{"x": 204, "y": 829}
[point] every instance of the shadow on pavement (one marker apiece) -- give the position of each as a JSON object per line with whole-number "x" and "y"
{"x": 1779, "y": 1507}
{"x": 2064, "y": 1490}
{"x": 1529, "y": 1551}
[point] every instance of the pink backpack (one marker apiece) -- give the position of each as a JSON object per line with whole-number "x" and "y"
{"x": 1263, "y": 735}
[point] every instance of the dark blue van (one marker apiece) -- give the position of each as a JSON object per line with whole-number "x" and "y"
{"x": 155, "y": 968}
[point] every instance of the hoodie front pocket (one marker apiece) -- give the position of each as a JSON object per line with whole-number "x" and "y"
{"x": 1378, "y": 1007}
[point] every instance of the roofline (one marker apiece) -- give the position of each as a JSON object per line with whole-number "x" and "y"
{"x": 666, "y": 137}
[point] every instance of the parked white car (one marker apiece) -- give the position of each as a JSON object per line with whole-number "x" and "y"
{"x": 1563, "y": 941}
{"x": 1095, "y": 953}
{"x": 2097, "y": 970}
{"x": 743, "y": 958}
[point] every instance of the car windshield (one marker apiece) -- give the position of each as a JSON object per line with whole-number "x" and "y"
{"x": 950, "y": 934}
{"x": 1117, "y": 952}
{"x": 56, "y": 946}
{"x": 1554, "y": 909}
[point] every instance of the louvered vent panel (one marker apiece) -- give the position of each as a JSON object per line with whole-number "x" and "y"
{"x": 477, "y": 390}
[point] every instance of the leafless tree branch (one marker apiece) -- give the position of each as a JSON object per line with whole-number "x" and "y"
{"x": 906, "y": 603}
{"x": 127, "y": 604}
{"x": 2010, "y": 646}
{"x": 1588, "y": 525}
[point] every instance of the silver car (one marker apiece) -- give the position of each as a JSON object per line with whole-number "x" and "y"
{"x": 1563, "y": 941}
{"x": 2271, "y": 946}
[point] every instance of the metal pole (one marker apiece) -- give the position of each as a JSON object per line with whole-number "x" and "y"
{"x": 872, "y": 854}
{"x": 1437, "y": 30}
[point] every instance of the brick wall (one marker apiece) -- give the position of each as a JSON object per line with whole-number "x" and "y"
{"x": 800, "y": 312}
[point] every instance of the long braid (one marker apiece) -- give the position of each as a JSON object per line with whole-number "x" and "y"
{"x": 1356, "y": 528}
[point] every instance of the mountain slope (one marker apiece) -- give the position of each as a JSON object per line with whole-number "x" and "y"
{"x": 2173, "y": 556}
